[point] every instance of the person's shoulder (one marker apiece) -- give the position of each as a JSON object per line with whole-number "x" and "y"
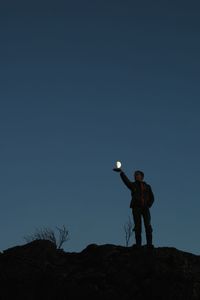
{"x": 133, "y": 184}
{"x": 147, "y": 184}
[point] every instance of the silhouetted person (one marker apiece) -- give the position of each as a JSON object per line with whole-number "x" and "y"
{"x": 142, "y": 200}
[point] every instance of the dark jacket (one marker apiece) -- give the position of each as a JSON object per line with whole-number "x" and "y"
{"x": 136, "y": 192}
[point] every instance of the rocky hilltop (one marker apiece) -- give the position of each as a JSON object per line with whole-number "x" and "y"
{"x": 38, "y": 270}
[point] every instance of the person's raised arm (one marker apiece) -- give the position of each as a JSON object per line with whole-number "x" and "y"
{"x": 124, "y": 178}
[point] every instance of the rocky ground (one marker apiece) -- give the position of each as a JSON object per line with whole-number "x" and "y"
{"x": 38, "y": 270}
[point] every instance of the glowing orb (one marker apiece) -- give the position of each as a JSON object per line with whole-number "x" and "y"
{"x": 118, "y": 164}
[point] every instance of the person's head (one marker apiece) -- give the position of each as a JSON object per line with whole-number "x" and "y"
{"x": 139, "y": 175}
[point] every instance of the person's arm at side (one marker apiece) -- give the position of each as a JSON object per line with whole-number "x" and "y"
{"x": 151, "y": 196}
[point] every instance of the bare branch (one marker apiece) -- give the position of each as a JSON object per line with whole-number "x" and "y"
{"x": 63, "y": 236}
{"x": 128, "y": 229}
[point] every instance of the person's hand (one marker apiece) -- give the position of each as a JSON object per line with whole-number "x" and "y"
{"x": 117, "y": 170}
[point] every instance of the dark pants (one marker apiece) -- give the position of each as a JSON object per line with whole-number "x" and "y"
{"x": 138, "y": 213}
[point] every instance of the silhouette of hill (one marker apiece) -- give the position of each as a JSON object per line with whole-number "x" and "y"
{"x": 38, "y": 270}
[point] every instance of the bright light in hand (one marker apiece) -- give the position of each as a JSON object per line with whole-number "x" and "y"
{"x": 118, "y": 164}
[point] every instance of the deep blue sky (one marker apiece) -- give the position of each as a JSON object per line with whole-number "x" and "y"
{"x": 83, "y": 84}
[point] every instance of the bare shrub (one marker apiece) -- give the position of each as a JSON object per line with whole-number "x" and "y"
{"x": 128, "y": 229}
{"x": 49, "y": 234}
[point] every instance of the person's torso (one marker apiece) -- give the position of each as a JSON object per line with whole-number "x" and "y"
{"x": 140, "y": 193}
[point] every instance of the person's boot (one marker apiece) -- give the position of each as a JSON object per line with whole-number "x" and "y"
{"x": 138, "y": 239}
{"x": 149, "y": 241}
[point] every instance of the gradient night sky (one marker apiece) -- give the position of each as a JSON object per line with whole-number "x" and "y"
{"x": 86, "y": 83}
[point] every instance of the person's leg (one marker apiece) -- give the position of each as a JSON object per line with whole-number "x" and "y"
{"x": 138, "y": 225}
{"x": 148, "y": 228}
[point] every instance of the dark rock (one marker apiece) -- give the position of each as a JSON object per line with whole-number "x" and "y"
{"x": 40, "y": 271}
